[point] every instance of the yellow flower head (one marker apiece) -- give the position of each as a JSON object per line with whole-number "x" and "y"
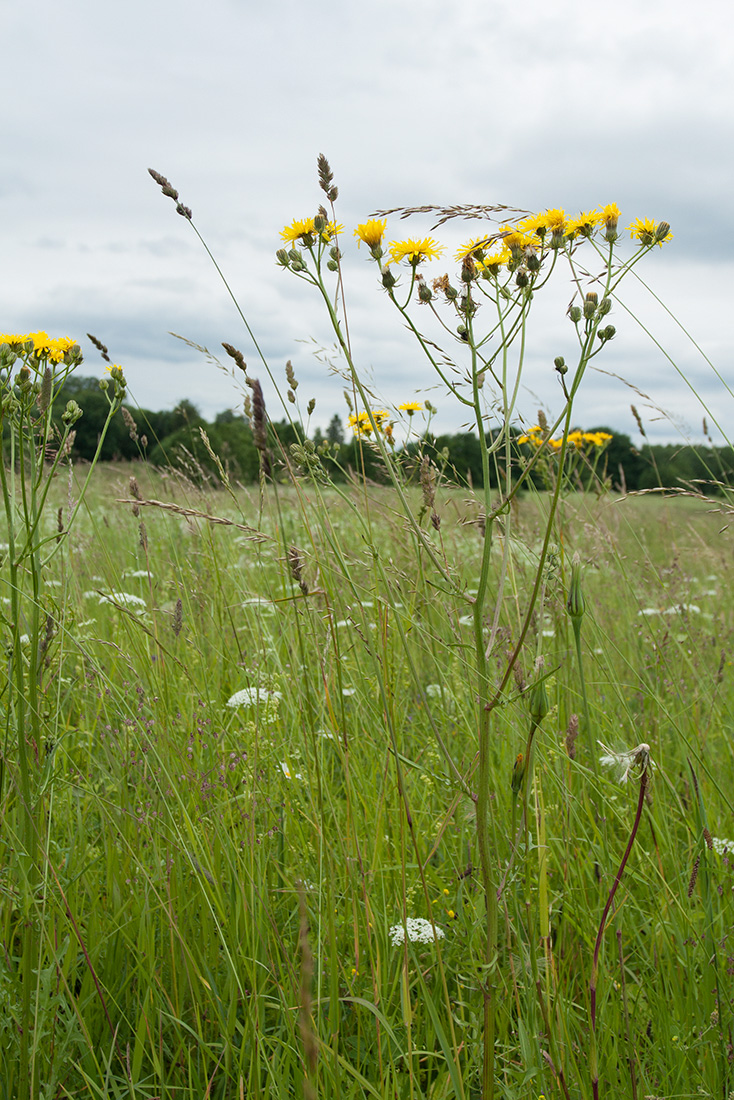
{"x": 648, "y": 232}
{"x": 539, "y": 224}
{"x": 478, "y": 244}
{"x": 493, "y": 263}
{"x": 304, "y": 230}
{"x": 362, "y": 425}
{"x": 583, "y": 225}
{"x": 371, "y": 232}
{"x": 516, "y": 240}
{"x": 415, "y": 251}
{"x": 13, "y": 340}
{"x": 597, "y": 439}
{"x": 410, "y": 407}
{"x": 610, "y": 215}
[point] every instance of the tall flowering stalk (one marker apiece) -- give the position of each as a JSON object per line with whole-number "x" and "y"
{"x": 499, "y": 274}
{"x": 33, "y": 368}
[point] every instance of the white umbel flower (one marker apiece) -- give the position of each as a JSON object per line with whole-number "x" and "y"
{"x": 418, "y": 929}
{"x": 250, "y": 697}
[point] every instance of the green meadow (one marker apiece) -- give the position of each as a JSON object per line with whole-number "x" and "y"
{"x": 378, "y": 785}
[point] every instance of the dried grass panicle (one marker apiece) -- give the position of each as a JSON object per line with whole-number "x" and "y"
{"x": 326, "y": 179}
{"x": 177, "y": 618}
{"x": 291, "y": 375}
{"x": 467, "y": 211}
{"x": 428, "y": 482}
{"x": 103, "y": 351}
{"x": 170, "y": 192}
{"x": 694, "y": 876}
{"x": 572, "y": 733}
{"x": 260, "y": 425}
{"x": 235, "y": 354}
{"x": 130, "y": 424}
{"x": 296, "y": 564}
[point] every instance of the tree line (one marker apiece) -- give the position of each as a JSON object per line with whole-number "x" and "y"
{"x": 175, "y": 436}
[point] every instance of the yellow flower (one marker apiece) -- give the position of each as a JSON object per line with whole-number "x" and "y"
{"x": 58, "y": 348}
{"x": 539, "y": 224}
{"x": 597, "y": 439}
{"x": 648, "y": 232}
{"x": 361, "y": 424}
{"x": 301, "y": 229}
{"x": 415, "y": 251}
{"x": 13, "y": 340}
{"x": 610, "y": 215}
{"x": 517, "y": 241}
{"x": 534, "y": 436}
{"x": 478, "y": 244}
{"x": 41, "y": 344}
{"x": 493, "y": 263}
{"x": 583, "y": 225}
{"x": 410, "y": 407}
{"x": 371, "y": 232}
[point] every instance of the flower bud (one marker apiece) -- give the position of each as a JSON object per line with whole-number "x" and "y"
{"x": 518, "y": 773}
{"x": 608, "y": 333}
{"x": 533, "y": 262}
{"x": 604, "y": 306}
{"x": 388, "y": 280}
{"x": 332, "y": 265}
{"x": 424, "y": 292}
{"x": 560, "y": 364}
{"x": 521, "y": 279}
{"x": 575, "y": 605}
{"x": 575, "y": 314}
{"x": 282, "y": 257}
{"x": 662, "y": 231}
{"x": 590, "y": 304}
{"x": 71, "y": 413}
{"x": 539, "y": 705}
{"x": 319, "y": 223}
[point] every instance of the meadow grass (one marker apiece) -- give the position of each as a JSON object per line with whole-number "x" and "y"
{"x": 218, "y": 884}
{"x": 390, "y": 790}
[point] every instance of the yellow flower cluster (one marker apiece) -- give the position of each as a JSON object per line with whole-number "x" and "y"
{"x": 578, "y": 439}
{"x": 304, "y": 230}
{"x": 361, "y": 424}
{"x": 43, "y": 346}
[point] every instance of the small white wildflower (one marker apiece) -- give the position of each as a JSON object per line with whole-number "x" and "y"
{"x": 250, "y": 697}
{"x": 466, "y": 620}
{"x": 139, "y": 574}
{"x": 624, "y": 762}
{"x": 722, "y": 846}
{"x": 288, "y": 773}
{"x": 549, "y": 633}
{"x": 418, "y": 930}
{"x": 647, "y": 611}
{"x": 346, "y": 692}
{"x": 433, "y": 691}
{"x": 343, "y": 622}
{"x": 124, "y": 599}
{"x": 679, "y": 608}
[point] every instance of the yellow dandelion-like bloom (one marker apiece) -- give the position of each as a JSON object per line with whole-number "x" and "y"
{"x": 410, "y": 407}
{"x": 539, "y": 224}
{"x": 648, "y": 232}
{"x": 610, "y": 215}
{"x": 41, "y": 344}
{"x": 362, "y": 425}
{"x": 597, "y": 439}
{"x": 58, "y": 348}
{"x": 493, "y": 263}
{"x": 583, "y": 225}
{"x": 371, "y": 232}
{"x": 301, "y": 229}
{"x": 576, "y": 439}
{"x": 13, "y": 340}
{"x": 534, "y": 436}
{"x": 515, "y": 240}
{"x": 478, "y": 244}
{"x": 556, "y": 444}
{"x": 415, "y": 251}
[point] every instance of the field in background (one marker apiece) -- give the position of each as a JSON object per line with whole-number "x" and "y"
{"x": 260, "y": 764}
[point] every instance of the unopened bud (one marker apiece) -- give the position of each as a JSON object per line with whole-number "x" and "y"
{"x": 575, "y": 314}
{"x": 533, "y": 262}
{"x": 662, "y": 231}
{"x": 590, "y": 304}
{"x": 332, "y": 265}
{"x": 388, "y": 280}
{"x": 282, "y": 257}
{"x": 604, "y": 306}
{"x": 521, "y": 279}
{"x": 608, "y": 333}
{"x": 575, "y": 605}
{"x": 518, "y": 772}
{"x": 424, "y": 292}
{"x": 539, "y": 705}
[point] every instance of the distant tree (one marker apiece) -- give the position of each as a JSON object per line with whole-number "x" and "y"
{"x": 335, "y": 431}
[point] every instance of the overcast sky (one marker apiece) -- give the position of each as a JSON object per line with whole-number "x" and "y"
{"x": 532, "y": 104}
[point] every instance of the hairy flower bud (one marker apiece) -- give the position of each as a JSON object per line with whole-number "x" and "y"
{"x": 590, "y": 303}
{"x": 424, "y": 292}
{"x": 662, "y": 231}
{"x": 575, "y": 314}
{"x": 282, "y": 257}
{"x": 604, "y": 306}
{"x": 575, "y": 605}
{"x": 560, "y": 364}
